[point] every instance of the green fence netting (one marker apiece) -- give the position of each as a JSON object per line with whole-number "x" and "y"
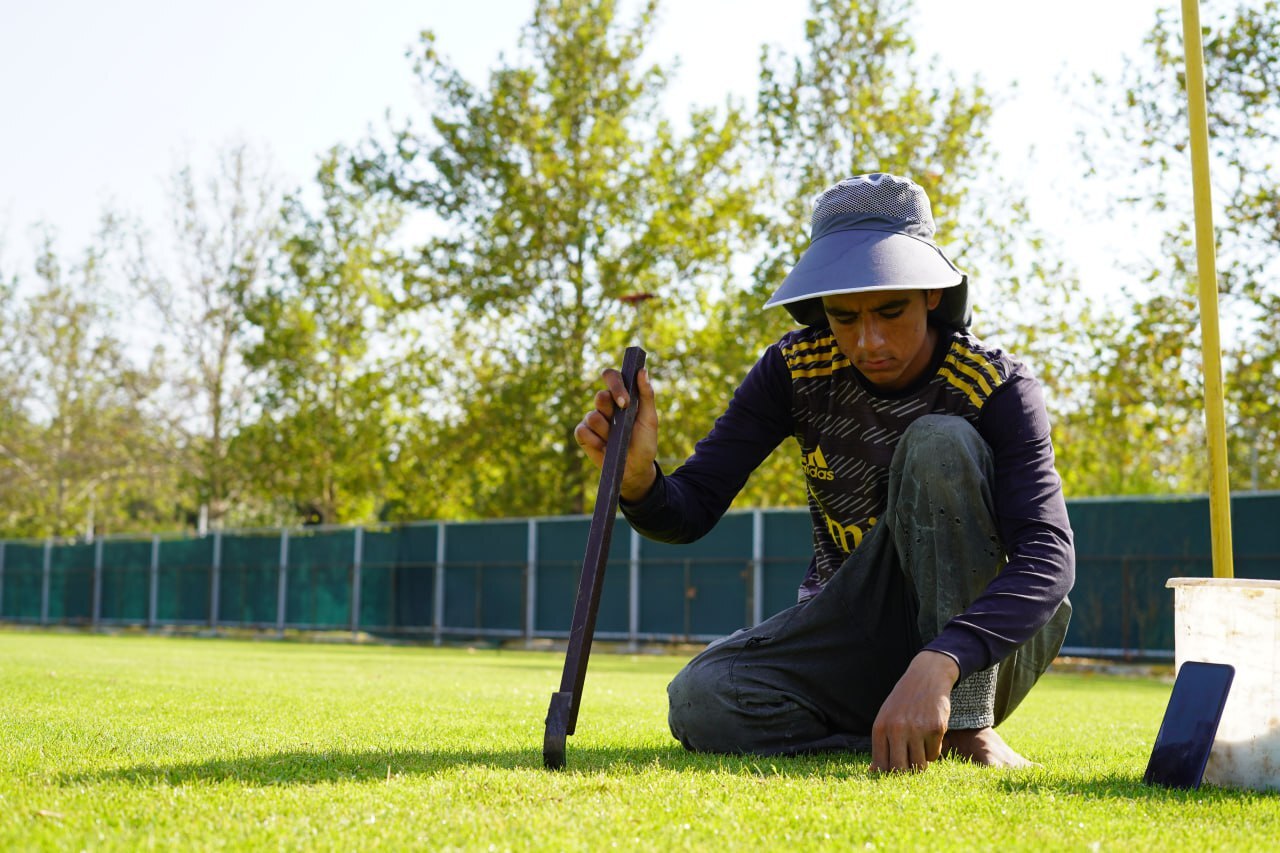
{"x": 320, "y": 568}
{"x": 184, "y": 585}
{"x": 397, "y": 582}
{"x": 484, "y": 576}
{"x": 23, "y": 582}
{"x": 248, "y": 583}
{"x": 519, "y": 577}
{"x": 561, "y": 547}
{"x": 71, "y": 572}
{"x": 125, "y": 585}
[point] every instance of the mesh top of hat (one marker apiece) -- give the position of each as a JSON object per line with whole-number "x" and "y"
{"x": 884, "y": 200}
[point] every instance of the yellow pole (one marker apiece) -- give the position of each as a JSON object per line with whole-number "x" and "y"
{"x": 1206, "y": 266}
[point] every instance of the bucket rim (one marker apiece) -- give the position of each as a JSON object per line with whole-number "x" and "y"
{"x": 1250, "y": 583}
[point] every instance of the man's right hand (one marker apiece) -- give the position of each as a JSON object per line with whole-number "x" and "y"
{"x": 593, "y": 432}
{"x": 908, "y": 732}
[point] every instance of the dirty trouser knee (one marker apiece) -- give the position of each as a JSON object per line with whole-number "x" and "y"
{"x": 951, "y": 450}
{"x": 1020, "y": 671}
{"x": 813, "y": 677}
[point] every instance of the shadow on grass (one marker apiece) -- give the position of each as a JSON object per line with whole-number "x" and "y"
{"x": 1114, "y": 786}
{"x": 305, "y": 767}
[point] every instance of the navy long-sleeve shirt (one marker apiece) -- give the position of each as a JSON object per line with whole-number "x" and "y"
{"x": 803, "y": 387}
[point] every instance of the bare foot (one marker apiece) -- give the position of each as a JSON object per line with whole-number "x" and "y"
{"x": 981, "y": 746}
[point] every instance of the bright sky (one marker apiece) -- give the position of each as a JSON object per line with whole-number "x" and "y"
{"x": 102, "y": 100}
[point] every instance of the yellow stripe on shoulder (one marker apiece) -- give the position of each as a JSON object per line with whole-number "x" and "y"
{"x": 809, "y": 358}
{"x": 812, "y": 358}
{"x": 981, "y": 361}
{"x": 970, "y": 372}
{"x": 959, "y": 383}
{"x": 837, "y": 363}
{"x": 800, "y": 347}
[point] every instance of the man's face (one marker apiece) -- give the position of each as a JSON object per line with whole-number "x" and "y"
{"x": 885, "y": 333}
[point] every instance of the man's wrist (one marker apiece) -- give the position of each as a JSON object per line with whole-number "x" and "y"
{"x": 634, "y": 493}
{"x": 938, "y": 666}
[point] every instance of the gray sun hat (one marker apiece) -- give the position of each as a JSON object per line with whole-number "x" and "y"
{"x": 873, "y": 232}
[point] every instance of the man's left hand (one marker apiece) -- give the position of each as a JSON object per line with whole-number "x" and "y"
{"x": 908, "y": 731}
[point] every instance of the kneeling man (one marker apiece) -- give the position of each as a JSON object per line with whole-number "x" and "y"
{"x": 943, "y": 556}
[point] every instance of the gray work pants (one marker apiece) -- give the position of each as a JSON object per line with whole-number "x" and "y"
{"x": 813, "y": 677}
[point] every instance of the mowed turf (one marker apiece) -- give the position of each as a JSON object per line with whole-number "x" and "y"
{"x": 136, "y": 742}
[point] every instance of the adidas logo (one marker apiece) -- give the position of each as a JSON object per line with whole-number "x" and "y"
{"x": 815, "y": 466}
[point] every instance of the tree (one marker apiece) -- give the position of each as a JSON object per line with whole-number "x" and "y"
{"x": 16, "y": 428}
{"x": 1143, "y": 152}
{"x": 557, "y": 189}
{"x": 860, "y": 100}
{"x": 333, "y": 387}
{"x": 863, "y": 101}
{"x": 223, "y": 234}
{"x": 1128, "y": 407}
{"x": 78, "y": 452}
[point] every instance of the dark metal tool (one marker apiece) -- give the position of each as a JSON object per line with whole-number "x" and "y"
{"x": 562, "y": 716}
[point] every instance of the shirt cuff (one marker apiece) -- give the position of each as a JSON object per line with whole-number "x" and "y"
{"x": 969, "y": 652}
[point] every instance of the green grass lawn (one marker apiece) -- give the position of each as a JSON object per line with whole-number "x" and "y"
{"x": 136, "y": 742}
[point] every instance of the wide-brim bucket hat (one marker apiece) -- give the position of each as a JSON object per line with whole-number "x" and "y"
{"x": 873, "y": 232}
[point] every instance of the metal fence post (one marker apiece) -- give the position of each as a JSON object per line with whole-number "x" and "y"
{"x": 153, "y": 584}
{"x": 282, "y": 586}
{"x": 689, "y": 593}
{"x": 633, "y": 592}
{"x": 215, "y": 580}
{"x": 530, "y": 582}
{"x": 757, "y": 567}
{"x": 357, "y": 559}
{"x": 437, "y": 615}
{"x": 1, "y": 579}
{"x": 44, "y": 581}
{"x": 95, "y": 611}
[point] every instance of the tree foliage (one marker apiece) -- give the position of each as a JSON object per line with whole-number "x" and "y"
{"x": 859, "y": 99}
{"x": 79, "y": 452}
{"x": 558, "y": 187}
{"x": 416, "y": 332}
{"x": 224, "y": 230}
{"x": 1155, "y": 345}
{"x": 330, "y": 392}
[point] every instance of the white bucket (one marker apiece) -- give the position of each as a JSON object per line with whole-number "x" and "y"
{"x": 1236, "y": 621}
